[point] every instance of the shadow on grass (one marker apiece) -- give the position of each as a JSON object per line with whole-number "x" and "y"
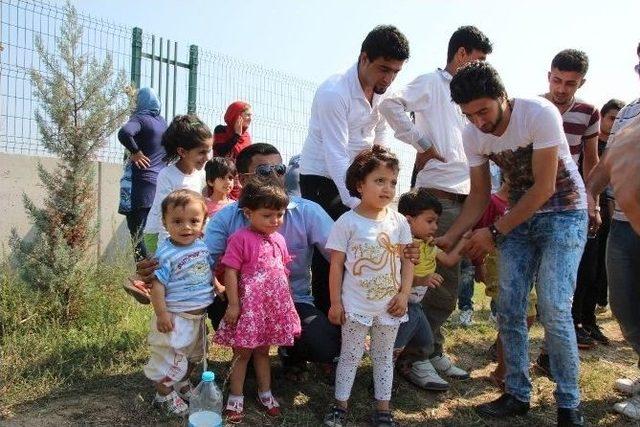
{"x": 103, "y": 384}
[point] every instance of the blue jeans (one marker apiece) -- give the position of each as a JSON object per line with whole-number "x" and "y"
{"x": 554, "y": 242}
{"x": 416, "y": 332}
{"x": 465, "y": 289}
{"x": 623, "y": 271}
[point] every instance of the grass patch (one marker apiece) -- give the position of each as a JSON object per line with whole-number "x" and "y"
{"x": 90, "y": 371}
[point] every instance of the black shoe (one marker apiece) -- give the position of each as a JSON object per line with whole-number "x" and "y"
{"x": 493, "y": 352}
{"x": 504, "y": 406}
{"x": 570, "y": 417}
{"x": 596, "y": 333}
{"x": 543, "y": 365}
{"x": 383, "y": 419}
{"x": 336, "y": 417}
{"x": 585, "y": 341}
{"x": 294, "y": 370}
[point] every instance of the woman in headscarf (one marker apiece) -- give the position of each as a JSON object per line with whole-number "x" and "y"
{"x": 141, "y": 136}
{"x": 230, "y": 139}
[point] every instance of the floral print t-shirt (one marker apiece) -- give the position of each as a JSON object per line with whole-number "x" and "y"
{"x": 372, "y": 264}
{"x": 535, "y": 124}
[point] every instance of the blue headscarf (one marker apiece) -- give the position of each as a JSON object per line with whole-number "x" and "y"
{"x": 148, "y": 102}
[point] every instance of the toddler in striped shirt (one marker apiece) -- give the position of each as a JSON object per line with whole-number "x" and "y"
{"x": 180, "y": 293}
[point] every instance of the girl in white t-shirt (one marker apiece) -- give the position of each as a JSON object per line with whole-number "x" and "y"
{"x": 369, "y": 279}
{"x": 187, "y": 141}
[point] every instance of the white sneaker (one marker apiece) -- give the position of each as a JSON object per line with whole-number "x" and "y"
{"x": 171, "y": 403}
{"x": 466, "y": 318}
{"x": 627, "y": 386}
{"x": 424, "y": 375}
{"x": 187, "y": 394}
{"x": 444, "y": 366}
{"x": 630, "y": 407}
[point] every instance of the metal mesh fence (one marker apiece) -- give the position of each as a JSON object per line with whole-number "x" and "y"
{"x": 281, "y": 103}
{"x": 22, "y": 21}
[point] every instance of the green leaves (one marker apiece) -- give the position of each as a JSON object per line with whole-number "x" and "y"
{"x": 82, "y": 101}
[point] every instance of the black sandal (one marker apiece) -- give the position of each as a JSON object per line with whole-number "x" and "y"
{"x": 383, "y": 419}
{"x": 337, "y": 417}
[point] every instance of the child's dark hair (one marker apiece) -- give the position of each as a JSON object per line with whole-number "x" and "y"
{"x": 365, "y": 162}
{"x": 264, "y": 193}
{"x": 181, "y": 198}
{"x": 186, "y": 131}
{"x": 219, "y": 167}
{"x": 417, "y": 201}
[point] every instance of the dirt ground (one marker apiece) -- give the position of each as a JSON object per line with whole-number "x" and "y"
{"x": 123, "y": 399}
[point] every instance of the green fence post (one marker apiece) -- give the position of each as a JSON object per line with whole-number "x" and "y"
{"x": 193, "y": 79}
{"x": 136, "y": 56}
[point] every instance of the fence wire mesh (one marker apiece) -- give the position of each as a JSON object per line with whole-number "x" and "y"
{"x": 281, "y": 102}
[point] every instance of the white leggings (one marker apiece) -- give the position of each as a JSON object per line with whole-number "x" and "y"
{"x": 382, "y": 341}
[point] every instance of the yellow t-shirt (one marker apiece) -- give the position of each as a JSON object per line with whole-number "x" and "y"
{"x": 427, "y": 262}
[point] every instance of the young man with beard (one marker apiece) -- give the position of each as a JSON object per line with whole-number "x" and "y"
{"x": 544, "y": 231}
{"x": 345, "y": 119}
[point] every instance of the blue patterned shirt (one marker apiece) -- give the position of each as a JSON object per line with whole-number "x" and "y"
{"x": 185, "y": 272}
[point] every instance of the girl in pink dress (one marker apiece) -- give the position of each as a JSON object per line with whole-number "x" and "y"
{"x": 260, "y": 311}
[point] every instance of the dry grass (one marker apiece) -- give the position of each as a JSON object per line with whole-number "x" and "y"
{"x": 108, "y": 388}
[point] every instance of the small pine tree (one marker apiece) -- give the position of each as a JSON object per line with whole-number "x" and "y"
{"x": 82, "y": 102}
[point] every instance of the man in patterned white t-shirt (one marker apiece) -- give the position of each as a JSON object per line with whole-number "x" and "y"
{"x": 543, "y": 232}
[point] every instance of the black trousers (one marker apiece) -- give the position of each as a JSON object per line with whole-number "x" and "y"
{"x": 590, "y": 278}
{"x": 601, "y": 275}
{"x": 324, "y": 192}
{"x": 136, "y": 220}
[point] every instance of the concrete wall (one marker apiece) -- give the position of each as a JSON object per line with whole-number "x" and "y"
{"x": 19, "y": 174}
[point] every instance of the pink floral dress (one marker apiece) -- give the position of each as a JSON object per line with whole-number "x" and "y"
{"x": 267, "y": 314}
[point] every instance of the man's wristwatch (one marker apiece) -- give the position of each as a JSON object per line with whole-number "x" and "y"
{"x": 496, "y": 234}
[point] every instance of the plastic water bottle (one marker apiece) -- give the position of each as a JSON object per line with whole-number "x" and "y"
{"x": 206, "y": 404}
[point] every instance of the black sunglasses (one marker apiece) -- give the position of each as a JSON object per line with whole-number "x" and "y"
{"x": 266, "y": 170}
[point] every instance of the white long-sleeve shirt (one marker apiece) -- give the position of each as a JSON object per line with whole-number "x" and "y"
{"x": 342, "y": 124}
{"x": 438, "y": 121}
{"x": 170, "y": 179}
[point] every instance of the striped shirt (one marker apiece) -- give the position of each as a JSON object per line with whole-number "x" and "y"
{"x": 581, "y": 122}
{"x": 185, "y": 272}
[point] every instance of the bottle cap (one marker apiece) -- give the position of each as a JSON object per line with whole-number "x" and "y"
{"x": 208, "y": 376}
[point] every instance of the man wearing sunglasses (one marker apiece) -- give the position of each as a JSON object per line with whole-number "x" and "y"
{"x": 306, "y": 226}
{"x": 265, "y": 170}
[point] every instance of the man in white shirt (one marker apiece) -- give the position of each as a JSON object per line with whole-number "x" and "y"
{"x": 439, "y": 122}
{"x": 345, "y": 120}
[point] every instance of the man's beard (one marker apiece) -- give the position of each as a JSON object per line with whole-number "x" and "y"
{"x": 495, "y": 124}
{"x": 380, "y": 90}
{"x": 559, "y": 101}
